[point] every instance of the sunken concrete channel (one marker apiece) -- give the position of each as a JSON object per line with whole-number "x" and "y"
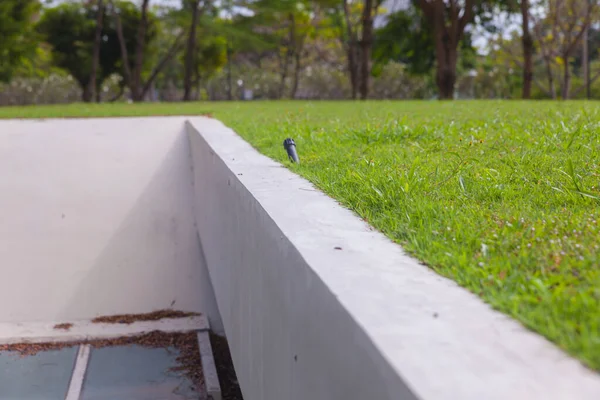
{"x": 102, "y": 217}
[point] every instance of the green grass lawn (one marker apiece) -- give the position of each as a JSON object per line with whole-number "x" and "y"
{"x": 502, "y": 197}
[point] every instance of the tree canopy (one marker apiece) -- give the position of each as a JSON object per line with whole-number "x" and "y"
{"x": 17, "y": 34}
{"x": 191, "y": 49}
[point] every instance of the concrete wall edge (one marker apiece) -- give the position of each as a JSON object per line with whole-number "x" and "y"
{"x": 424, "y": 336}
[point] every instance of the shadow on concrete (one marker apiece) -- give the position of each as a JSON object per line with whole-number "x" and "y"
{"x": 153, "y": 260}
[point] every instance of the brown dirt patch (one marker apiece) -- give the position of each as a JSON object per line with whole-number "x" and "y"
{"x": 64, "y": 326}
{"x": 30, "y": 349}
{"x": 152, "y": 316}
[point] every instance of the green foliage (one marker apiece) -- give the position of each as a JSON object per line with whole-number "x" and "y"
{"x": 496, "y": 78}
{"x": 320, "y": 82}
{"x": 407, "y": 38}
{"x": 594, "y": 50}
{"x": 69, "y": 28}
{"x": 38, "y": 65}
{"x": 211, "y": 55}
{"x": 211, "y": 46}
{"x": 130, "y": 18}
{"x": 70, "y": 32}
{"x": 278, "y": 25}
{"x": 17, "y": 38}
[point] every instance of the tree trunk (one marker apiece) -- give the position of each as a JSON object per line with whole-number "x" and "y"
{"x": 353, "y": 70}
{"x": 197, "y": 84}
{"x": 175, "y": 47}
{"x": 447, "y": 36}
{"x": 566, "y": 84}
{"x": 96, "y": 52}
{"x": 191, "y": 52}
{"x": 123, "y": 47}
{"x": 352, "y": 51}
{"x": 550, "y": 78}
{"x": 446, "y": 57}
{"x": 297, "y": 69}
{"x": 291, "y": 49}
{"x": 527, "y": 41}
{"x": 136, "y": 84}
{"x": 586, "y": 63}
{"x": 284, "y": 65}
{"x": 229, "y": 80}
{"x": 87, "y": 95}
{"x": 366, "y": 44}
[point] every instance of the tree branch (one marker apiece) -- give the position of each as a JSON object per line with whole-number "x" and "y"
{"x": 592, "y": 80}
{"x": 118, "y": 95}
{"x": 586, "y": 23}
{"x": 124, "y": 56}
{"x": 516, "y": 60}
{"x": 465, "y": 18}
{"x": 96, "y": 50}
{"x": 175, "y": 47}
{"x": 139, "y": 52}
{"x": 454, "y": 19}
{"x": 427, "y": 8}
{"x": 351, "y": 34}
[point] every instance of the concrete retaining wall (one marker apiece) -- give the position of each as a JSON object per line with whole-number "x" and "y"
{"x": 316, "y": 305}
{"x": 104, "y": 217}
{"x": 96, "y": 218}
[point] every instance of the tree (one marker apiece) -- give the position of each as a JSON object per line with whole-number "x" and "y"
{"x": 96, "y": 51}
{"x": 191, "y": 49}
{"x": 71, "y": 30}
{"x": 284, "y": 24}
{"x": 354, "y": 20}
{"x": 17, "y": 36}
{"x": 136, "y": 75}
{"x": 133, "y": 73}
{"x": 448, "y": 21}
{"x": 559, "y": 32}
{"x": 546, "y": 41}
{"x": 349, "y": 37}
{"x": 366, "y": 44}
{"x": 527, "y": 41}
{"x": 209, "y": 54}
{"x": 242, "y": 36}
{"x": 407, "y": 38}
{"x": 510, "y": 52}
{"x": 592, "y": 40}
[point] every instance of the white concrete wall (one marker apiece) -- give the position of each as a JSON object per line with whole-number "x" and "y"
{"x": 96, "y": 218}
{"x": 308, "y": 321}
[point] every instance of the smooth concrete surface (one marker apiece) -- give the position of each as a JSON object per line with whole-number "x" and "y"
{"x": 96, "y": 219}
{"x": 209, "y": 369}
{"x": 316, "y": 305}
{"x": 44, "y": 332}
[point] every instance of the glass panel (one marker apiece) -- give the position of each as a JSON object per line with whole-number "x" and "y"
{"x": 136, "y": 373}
{"x": 43, "y": 376}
